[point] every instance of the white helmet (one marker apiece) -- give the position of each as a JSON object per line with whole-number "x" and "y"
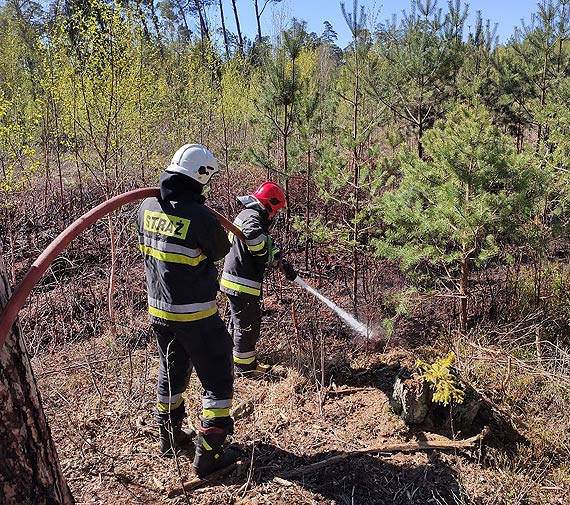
{"x": 195, "y": 161}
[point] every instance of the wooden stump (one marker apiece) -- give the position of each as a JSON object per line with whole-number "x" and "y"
{"x": 411, "y": 398}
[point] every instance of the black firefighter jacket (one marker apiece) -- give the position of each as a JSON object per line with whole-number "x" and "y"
{"x": 180, "y": 240}
{"x": 246, "y": 263}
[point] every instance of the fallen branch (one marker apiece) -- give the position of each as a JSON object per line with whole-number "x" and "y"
{"x": 409, "y": 447}
{"x": 197, "y": 481}
{"x": 345, "y": 390}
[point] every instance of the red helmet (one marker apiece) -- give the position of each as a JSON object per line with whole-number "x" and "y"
{"x": 271, "y": 197}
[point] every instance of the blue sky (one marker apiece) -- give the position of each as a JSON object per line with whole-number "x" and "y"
{"x": 507, "y": 13}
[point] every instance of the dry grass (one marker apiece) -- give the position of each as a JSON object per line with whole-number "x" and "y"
{"x": 98, "y": 396}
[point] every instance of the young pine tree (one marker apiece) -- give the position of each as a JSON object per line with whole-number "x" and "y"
{"x": 473, "y": 195}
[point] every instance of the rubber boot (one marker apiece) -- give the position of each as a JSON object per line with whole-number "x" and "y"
{"x": 172, "y": 441}
{"x": 255, "y": 370}
{"x": 210, "y": 454}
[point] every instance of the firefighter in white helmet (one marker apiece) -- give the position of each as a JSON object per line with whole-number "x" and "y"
{"x": 180, "y": 240}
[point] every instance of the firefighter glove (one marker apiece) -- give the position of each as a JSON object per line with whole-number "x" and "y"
{"x": 288, "y": 270}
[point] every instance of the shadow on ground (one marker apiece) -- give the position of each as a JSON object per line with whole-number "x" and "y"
{"x": 360, "y": 478}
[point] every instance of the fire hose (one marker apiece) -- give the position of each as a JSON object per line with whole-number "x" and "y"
{"x": 45, "y": 259}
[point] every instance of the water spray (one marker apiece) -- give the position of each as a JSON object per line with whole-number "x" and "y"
{"x": 356, "y": 325}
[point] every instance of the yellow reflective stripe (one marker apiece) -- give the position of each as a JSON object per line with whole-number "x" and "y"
{"x": 231, "y": 236}
{"x": 165, "y": 224}
{"x": 256, "y": 247}
{"x": 244, "y": 361}
{"x": 239, "y": 287}
{"x": 171, "y": 257}
{"x": 206, "y": 445}
{"x": 167, "y": 407}
{"x": 173, "y": 316}
{"x": 211, "y": 413}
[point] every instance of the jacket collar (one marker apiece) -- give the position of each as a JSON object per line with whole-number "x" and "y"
{"x": 174, "y": 186}
{"x": 250, "y": 202}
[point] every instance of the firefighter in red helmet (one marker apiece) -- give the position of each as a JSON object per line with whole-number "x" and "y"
{"x": 244, "y": 268}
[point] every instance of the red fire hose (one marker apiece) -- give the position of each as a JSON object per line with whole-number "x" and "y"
{"x": 44, "y": 260}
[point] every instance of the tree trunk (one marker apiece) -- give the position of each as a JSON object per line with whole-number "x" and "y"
{"x": 258, "y": 19}
{"x": 226, "y": 42}
{"x": 464, "y": 290}
{"x": 307, "y": 209}
{"x": 112, "y": 276}
{"x": 240, "y": 38}
{"x": 181, "y": 10}
{"x": 29, "y": 468}
{"x": 204, "y": 32}
{"x": 355, "y": 182}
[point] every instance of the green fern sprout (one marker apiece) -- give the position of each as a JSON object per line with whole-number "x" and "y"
{"x": 442, "y": 382}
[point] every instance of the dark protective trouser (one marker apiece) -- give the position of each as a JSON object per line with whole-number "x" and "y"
{"x": 244, "y": 326}
{"x": 206, "y": 346}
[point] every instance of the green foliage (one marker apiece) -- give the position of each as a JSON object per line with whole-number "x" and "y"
{"x": 20, "y": 104}
{"x": 442, "y": 382}
{"x": 415, "y": 60}
{"x": 17, "y": 152}
{"x": 557, "y": 114}
{"x": 477, "y": 76}
{"x": 473, "y": 194}
{"x": 322, "y": 233}
{"x": 107, "y": 97}
{"x": 278, "y": 101}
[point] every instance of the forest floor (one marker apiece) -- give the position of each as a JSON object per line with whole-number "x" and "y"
{"x": 98, "y": 396}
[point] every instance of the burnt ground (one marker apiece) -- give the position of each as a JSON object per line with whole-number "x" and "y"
{"x": 98, "y": 396}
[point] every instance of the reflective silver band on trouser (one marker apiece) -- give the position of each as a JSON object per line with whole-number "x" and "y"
{"x": 244, "y": 358}
{"x": 216, "y": 408}
{"x": 248, "y": 354}
{"x": 166, "y": 403}
{"x": 181, "y": 312}
{"x": 168, "y": 399}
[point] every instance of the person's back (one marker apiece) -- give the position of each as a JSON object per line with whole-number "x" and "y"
{"x": 180, "y": 240}
{"x": 245, "y": 265}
